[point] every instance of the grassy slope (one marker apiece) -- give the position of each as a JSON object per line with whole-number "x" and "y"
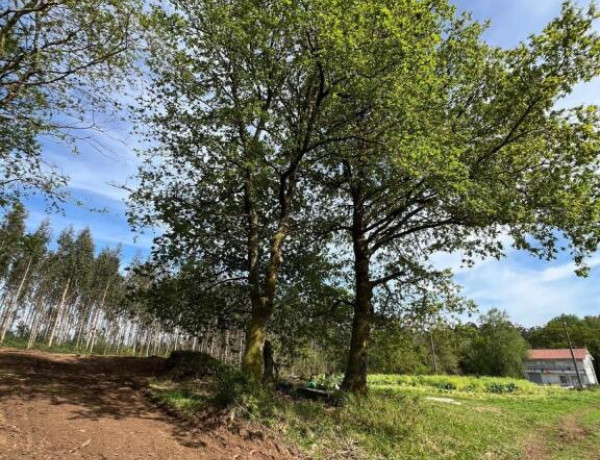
{"x": 398, "y": 422}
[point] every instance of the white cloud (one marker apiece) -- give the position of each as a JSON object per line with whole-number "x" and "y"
{"x": 532, "y": 293}
{"x": 106, "y": 161}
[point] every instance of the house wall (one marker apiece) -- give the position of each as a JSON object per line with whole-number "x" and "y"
{"x": 590, "y": 371}
{"x": 561, "y": 372}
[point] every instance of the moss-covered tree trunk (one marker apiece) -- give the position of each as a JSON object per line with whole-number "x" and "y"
{"x": 263, "y": 300}
{"x": 252, "y": 361}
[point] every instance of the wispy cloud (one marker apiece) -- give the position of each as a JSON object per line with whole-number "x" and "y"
{"x": 532, "y": 294}
{"x": 106, "y": 161}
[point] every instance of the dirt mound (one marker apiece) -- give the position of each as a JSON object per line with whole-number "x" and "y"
{"x": 66, "y": 406}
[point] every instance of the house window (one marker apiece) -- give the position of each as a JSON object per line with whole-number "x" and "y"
{"x": 564, "y": 380}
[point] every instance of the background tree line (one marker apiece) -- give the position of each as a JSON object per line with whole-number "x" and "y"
{"x": 64, "y": 294}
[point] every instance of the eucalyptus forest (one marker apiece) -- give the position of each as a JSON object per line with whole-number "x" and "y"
{"x": 301, "y": 166}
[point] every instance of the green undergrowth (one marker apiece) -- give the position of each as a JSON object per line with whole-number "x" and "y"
{"x": 402, "y": 418}
{"x": 458, "y": 383}
{"x": 20, "y": 343}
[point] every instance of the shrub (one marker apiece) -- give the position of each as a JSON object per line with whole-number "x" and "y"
{"x": 182, "y": 365}
{"x": 446, "y": 386}
{"x": 325, "y": 382}
{"x": 500, "y": 388}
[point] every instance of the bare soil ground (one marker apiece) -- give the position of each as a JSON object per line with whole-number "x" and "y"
{"x": 55, "y": 407}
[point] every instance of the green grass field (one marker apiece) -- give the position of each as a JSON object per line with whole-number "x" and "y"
{"x": 428, "y": 418}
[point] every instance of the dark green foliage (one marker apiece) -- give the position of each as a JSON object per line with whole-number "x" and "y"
{"x": 498, "y": 349}
{"x": 502, "y": 388}
{"x": 446, "y": 386}
{"x": 185, "y": 364}
{"x": 584, "y": 333}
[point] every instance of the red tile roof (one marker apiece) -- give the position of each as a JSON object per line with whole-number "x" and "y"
{"x": 564, "y": 353}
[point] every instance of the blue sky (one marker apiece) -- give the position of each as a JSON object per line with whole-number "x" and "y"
{"x": 531, "y": 291}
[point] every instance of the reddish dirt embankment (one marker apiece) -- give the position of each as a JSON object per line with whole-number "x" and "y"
{"x": 68, "y": 407}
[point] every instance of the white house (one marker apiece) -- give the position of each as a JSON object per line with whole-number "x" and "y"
{"x": 555, "y": 367}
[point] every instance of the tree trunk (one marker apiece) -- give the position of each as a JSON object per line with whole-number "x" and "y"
{"x": 59, "y": 313}
{"x": 269, "y": 358}
{"x": 34, "y": 329}
{"x": 82, "y": 322}
{"x": 134, "y": 342}
{"x": 99, "y": 324}
{"x": 252, "y": 361}
{"x": 95, "y": 324}
{"x": 13, "y": 307}
{"x": 92, "y": 329}
{"x": 355, "y": 379}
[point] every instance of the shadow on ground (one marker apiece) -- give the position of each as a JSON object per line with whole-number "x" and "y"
{"x": 100, "y": 386}
{"x": 57, "y": 406}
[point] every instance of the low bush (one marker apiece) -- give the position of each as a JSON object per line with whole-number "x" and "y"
{"x": 500, "y": 388}
{"x": 183, "y": 365}
{"x": 224, "y": 386}
{"x": 325, "y": 382}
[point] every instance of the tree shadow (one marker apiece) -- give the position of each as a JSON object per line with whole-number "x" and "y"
{"x": 95, "y": 388}
{"x": 98, "y": 386}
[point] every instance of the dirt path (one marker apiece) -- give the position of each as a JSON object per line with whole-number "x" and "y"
{"x": 67, "y": 407}
{"x": 566, "y": 435}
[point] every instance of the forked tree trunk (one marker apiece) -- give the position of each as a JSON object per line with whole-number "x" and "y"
{"x": 252, "y": 362}
{"x": 262, "y": 303}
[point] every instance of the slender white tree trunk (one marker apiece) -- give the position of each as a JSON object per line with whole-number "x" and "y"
{"x": 94, "y": 332}
{"x": 59, "y": 313}
{"x": 34, "y": 329}
{"x": 15, "y": 303}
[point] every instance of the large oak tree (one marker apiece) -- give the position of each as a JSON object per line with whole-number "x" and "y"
{"x": 390, "y": 124}
{"x": 467, "y": 155}
{"x": 244, "y": 97}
